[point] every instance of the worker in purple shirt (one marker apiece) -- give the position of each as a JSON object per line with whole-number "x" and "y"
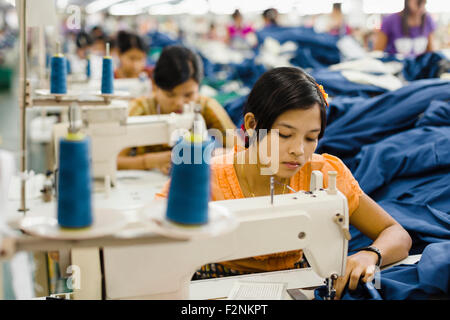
{"x": 409, "y": 32}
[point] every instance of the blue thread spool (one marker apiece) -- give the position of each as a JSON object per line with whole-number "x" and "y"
{"x": 88, "y": 68}
{"x": 74, "y": 182}
{"x": 107, "y": 75}
{"x": 58, "y": 74}
{"x": 189, "y": 188}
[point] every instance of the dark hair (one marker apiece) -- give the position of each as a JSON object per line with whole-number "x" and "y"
{"x": 97, "y": 31}
{"x": 282, "y": 89}
{"x": 337, "y": 6}
{"x": 126, "y": 41}
{"x": 176, "y": 65}
{"x": 83, "y": 40}
{"x": 405, "y": 14}
{"x": 236, "y": 14}
{"x": 271, "y": 14}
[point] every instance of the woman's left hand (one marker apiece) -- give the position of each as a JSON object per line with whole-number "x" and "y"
{"x": 361, "y": 264}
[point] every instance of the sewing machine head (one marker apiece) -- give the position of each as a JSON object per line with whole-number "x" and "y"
{"x": 111, "y": 131}
{"x": 315, "y": 222}
{"x": 322, "y": 231}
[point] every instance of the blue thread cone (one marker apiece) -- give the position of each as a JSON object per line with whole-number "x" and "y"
{"x": 88, "y": 68}
{"x": 58, "y": 75}
{"x": 189, "y": 188}
{"x": 74, "y": 184}
{"x": 107, "y": 76}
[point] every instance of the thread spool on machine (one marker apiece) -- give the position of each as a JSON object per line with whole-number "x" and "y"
{"x": 190, "y": 188}
{"x": 74, "y": 203}
{"x": 107, "y": 73}
{"x": 58, "y": 73}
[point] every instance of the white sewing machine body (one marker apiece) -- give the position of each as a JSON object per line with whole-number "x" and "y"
{"x": 111, "y": 130}
{"x": 316, "y": 231}
{"x": 303, "y": 220}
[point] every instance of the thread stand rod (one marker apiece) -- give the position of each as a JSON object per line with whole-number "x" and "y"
{"x": 23, "y": 91}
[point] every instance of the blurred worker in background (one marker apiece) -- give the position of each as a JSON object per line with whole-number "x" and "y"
{"x": 176, "y": 81}
{"x": 238, "y": 31}
{"x": 337, "y": 24}
{"x": 212, "y": 33}
{"x": 78, "y": 60}
{"x": 99, "y": 40}
{"x": 132, "y": 53}
{"x": 270, "y": 17}
{"x": 409, "y": 32}
{"x": 83, "y": 42}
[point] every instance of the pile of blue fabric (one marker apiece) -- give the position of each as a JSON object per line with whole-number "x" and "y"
{"x": 371, "y": 120}
{"x": 397, "y": 146}
{"x": 408, "y": 174}
{"x": 235, "y": 109}
{"x": 315, "y": 50}
{"x": 161, "y": 40}
{"x": 248, "y": 72}
{"x": 336, "y": 84}
{"x": 427, "y": 279}
{"x": 426, "y": 66}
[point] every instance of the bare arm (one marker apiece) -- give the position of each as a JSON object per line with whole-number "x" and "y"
{"x": 430, "y": 45}
{"x": 389, "y": 237}
{"x": 126, "y": 162}
{"x": 153, "y": 160}
{"x": 381, "y": 41}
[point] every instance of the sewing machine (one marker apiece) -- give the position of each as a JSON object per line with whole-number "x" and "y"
{"x": 315, "y": 221}
{"x": 111, "y": 131}
{"x": 140, "y": 263}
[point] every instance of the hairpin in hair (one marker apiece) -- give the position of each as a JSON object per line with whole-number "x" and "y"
{"x": 324, "y": 94}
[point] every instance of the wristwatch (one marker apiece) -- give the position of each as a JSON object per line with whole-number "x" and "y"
{"x": 373, "y": 249}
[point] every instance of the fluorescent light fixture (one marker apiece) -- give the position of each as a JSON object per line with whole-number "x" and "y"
{"x": 61, "y": 4}
{"x": 438, "y": 6}
{"x": 382, "y": 6}
{"x": 100, "y": 5}
{"x": 124, "y": 10}
{"x": 257, "y": 6}
{"x": 161, "y": 10}
{"x": 222, "y": 7}
{"x": 193, "y": 7}
{"x": 133, "y": 7}
{"x": 305, "y": 7}
{"x": 347, "y": 6}
{"x": 284, "y": 7}
{"x": 228, "y": 6}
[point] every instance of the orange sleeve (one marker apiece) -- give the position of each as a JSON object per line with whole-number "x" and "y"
{"x": 346, "y": 183}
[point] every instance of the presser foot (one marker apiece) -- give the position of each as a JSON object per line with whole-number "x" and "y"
{"x": 331, "y": 291}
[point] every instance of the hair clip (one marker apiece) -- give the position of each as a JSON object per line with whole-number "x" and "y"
{"x": 324, "y": 94}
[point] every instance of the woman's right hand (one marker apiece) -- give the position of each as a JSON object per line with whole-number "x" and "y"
{"x": 159, "y": 160}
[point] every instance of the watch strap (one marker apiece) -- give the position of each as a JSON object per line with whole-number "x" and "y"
{"x": 373, "y": 249}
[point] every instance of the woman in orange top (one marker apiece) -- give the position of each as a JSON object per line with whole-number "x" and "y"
{"x": 289, "y": 104}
